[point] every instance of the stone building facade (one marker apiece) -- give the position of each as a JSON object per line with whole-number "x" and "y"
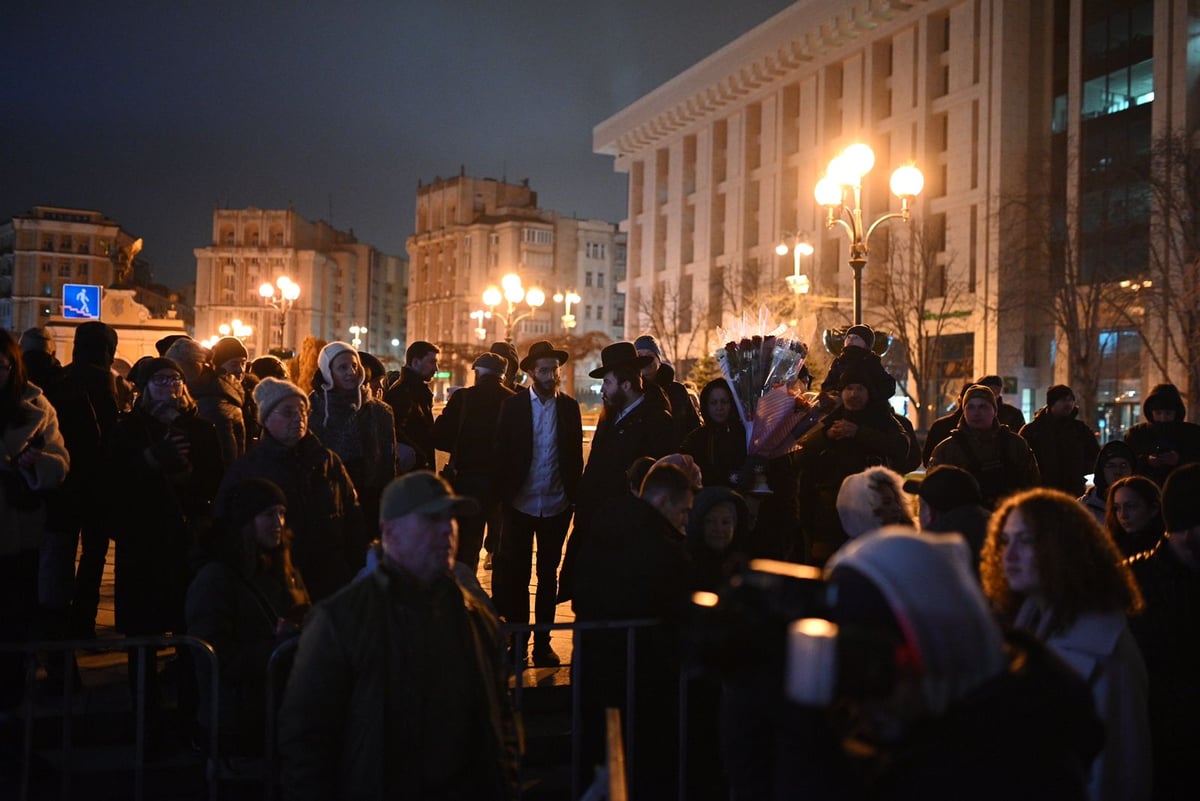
{"x": 1005, "y": 107}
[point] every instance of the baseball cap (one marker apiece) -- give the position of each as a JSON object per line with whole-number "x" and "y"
{"x": 946, "y": 487}
{"x": 425, "y": 493}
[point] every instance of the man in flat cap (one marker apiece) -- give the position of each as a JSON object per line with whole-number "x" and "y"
{"x": 466, "y": 429}
{"x": 398, "y": 688}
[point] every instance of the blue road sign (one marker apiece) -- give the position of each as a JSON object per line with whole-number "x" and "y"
{"x": 81, "y": 302}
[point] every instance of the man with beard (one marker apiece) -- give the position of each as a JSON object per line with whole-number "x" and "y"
{"x": 412, "y": 404}
{"x": 1168, "y": 633}
{"x": 998, "y": 458}
{"x": 628, "y": 428}
{"x": 539, "y": 458}
{"x": 860, "y": 433}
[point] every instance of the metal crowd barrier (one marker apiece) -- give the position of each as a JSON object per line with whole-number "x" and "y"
{"x": 30, "y": 651}
{"x": 630, "y": 627}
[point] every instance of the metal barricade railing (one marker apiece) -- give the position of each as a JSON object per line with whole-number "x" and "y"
{"x": 284, "y": 652}
{"x": 280, "y": 661}
{"x": 68, "y": 648}
{"x": 509, "y": 631}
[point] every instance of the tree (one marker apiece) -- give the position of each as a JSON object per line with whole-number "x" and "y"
{"x": 677, "y": 320}
{"x": 922, "y": 301}
{"x": 1168, "y": 297}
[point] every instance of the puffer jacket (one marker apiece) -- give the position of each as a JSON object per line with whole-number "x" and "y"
{"x": 21, "y": 529}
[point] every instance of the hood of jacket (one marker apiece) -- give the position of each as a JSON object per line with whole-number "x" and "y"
{"x": 1166, "y": 397}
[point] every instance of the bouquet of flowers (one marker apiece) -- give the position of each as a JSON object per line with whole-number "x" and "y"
{"x": 760, "y": 368}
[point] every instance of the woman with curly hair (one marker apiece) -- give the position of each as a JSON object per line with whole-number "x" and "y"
{"x": 1050, "y": 569}
{"x": 1134, "y": 514}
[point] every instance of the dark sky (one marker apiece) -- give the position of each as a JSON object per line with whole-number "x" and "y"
{"x": 154, "y": 112}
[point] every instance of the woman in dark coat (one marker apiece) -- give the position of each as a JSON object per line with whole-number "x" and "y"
{"x": 172, "y": 456}
{"x": 719, "y": 444}
{"x": 246, "y": 599}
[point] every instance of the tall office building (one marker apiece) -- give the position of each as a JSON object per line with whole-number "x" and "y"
{"x": 1032, "y": 123}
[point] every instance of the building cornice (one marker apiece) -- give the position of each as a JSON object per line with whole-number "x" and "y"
{"x": 768, "y": 54}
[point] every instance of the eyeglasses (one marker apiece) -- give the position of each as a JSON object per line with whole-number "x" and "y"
{"x": 166, "y": 380}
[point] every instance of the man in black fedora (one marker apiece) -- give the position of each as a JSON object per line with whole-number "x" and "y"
{"x": 628, "y": 429}
{"x": 538, "y": 460}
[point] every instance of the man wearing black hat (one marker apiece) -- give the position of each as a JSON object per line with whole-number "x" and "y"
{"x": 466, "y": 429}
{"x": 1168, "y": 633}
{"x": 998, "y": 458}
{"x": 950, "y": 503}
{"x": 539, "y": 458}
{"x": 398, "y": 688}
{"x": 1065, "y": 447}
{"x": 412, "y": 406}
{"x": 628, "y": 429}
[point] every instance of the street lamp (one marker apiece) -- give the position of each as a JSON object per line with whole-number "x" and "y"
{"x": 479, "y": 315}
{"x": 513, "y": 294}
{"x": 233, "y": 328}
{"x": 280, "y": 296}
{"x": 356, "y": 330}
{"x": 569, "y": 297}
{"x": 797, "y": 281}
{"x": 840, "y": 192}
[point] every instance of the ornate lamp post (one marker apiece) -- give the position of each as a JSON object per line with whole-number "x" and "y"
{"x": 358, "y": 332}
{"x": 568, "y": 297}
{"x": 797, "y": 282}
{"x": 840, "y": 192}
{"x": 280, "y": 296}
{"x": 479, "y": 315}
{"x": 513, "y": 295}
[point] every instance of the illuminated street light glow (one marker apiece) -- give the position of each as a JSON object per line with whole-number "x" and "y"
{"x": 280, "y": 296}
{"x": 513, "y": 293}
{"x": 840, "y": 193}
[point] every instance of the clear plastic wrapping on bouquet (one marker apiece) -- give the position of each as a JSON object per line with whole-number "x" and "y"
{"x": 761, "y": 363}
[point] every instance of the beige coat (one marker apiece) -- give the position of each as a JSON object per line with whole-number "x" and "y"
{"x": 21, "y": 530}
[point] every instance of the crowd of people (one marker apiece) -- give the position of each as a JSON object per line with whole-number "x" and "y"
{"x": 255, "y": 509}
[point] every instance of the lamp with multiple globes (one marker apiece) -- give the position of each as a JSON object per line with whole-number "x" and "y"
{"x": 280, "y": 296}
{"x": 512, "y": 293}
{"x": 233, "y": 328}
{"x": 797, "y": 282}
{"x": 840, "y": 193}
{"x": 479, "y": 315}
{"x": 358, "y": 332}
{"x": 567, "y": 298}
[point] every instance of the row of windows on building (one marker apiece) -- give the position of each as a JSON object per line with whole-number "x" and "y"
{"x": 66, "y": 243}
{"x": 82, "y": 269}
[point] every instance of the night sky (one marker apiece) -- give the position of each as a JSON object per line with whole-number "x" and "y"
{"x": 155, "y": 112}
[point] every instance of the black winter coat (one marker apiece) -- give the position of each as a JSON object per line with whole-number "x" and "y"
{"x": 514, "y": 443}
{"x": 330, "y": 542}
{"x": 466, "y": 428}
{"x": 221, "y": 399}
{"x": 361, "y": 701}
{"x": 412, "y": 409}
{"x": 1065, "y": 448}
{"x": 174, "y": 501}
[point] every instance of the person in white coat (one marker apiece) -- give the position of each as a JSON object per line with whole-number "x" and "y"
{"x": 1049, "y": 568}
